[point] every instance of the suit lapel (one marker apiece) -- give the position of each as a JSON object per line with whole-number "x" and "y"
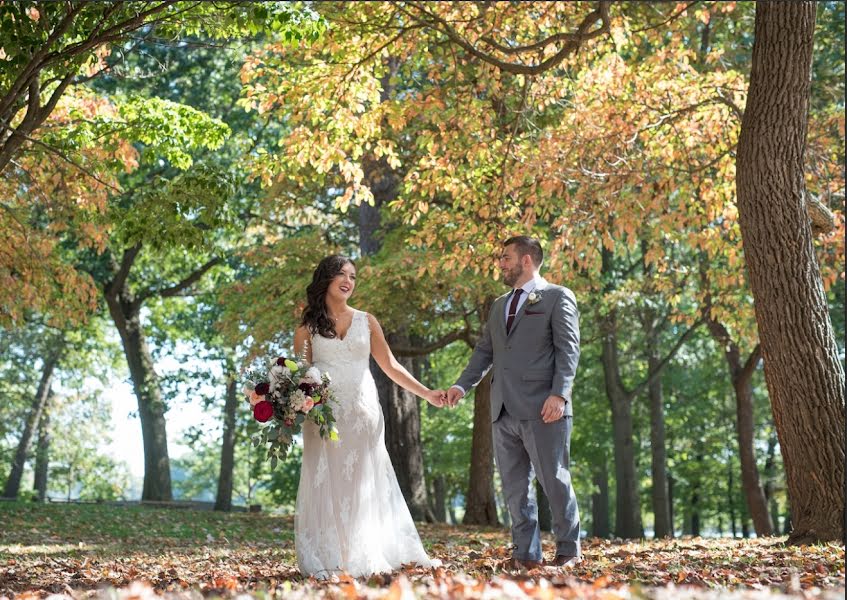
{"x": 538, "y": 288}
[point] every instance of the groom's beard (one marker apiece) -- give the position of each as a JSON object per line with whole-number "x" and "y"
{"x": 511, "y": 276}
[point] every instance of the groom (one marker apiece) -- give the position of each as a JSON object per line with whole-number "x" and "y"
{"x": 531, "y": 341}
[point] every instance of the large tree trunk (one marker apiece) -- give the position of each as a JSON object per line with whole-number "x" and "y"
{"x": 402, "y": 413}
{"x": 804, "y": 376}
{"x": 600, "y": 502}
{"x": 223, "y": 499}
{"x": 151, "y": 407}
{"x": 480, "y": 504}
{"x": 42, "y": 453}
{"x": 400, "y": 408}
{"x": 13, "y": 483}
{"x": 661, "y": 509}
{"x": 627, "y": 505}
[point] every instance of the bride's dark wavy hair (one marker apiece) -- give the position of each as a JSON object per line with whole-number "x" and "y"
{"x": 315, "y": 316}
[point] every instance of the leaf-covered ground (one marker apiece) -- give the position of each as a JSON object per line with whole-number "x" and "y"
{"x": 134, "y": 552}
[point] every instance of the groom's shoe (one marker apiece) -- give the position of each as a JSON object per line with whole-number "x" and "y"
{"x": 564, "y": 561}
{"x": 518, "y": 564}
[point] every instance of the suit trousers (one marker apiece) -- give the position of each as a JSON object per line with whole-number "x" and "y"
{"x": 525, "y": 450}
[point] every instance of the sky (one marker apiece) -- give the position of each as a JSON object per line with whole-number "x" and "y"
{"x": 126, "y": 442}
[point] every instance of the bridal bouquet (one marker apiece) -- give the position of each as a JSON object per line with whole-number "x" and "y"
{"x": 288, "y": 394}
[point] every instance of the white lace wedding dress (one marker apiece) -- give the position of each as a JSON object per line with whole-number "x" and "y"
{"x": 351, "y": 517}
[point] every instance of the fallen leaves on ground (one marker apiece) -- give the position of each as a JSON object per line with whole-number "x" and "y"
{"x": 143, "y": 554}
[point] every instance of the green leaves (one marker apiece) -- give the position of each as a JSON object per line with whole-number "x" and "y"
{"x": 170, "y": 130}
{"x": 176, "y": 213}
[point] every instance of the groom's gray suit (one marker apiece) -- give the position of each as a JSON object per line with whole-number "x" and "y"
{"x": 535, "y": 359}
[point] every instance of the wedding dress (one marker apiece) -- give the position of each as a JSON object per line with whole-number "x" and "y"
{"x": 351, "y": 516}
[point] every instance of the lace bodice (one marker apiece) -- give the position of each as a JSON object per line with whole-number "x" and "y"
{"x": 345, "y": 357}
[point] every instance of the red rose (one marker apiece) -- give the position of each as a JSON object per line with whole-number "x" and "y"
{"x": 281, "y": 361}
{"x": 263, "y": 388}
{"x": 263, "y": 411}
{"x": 308, "y": 388}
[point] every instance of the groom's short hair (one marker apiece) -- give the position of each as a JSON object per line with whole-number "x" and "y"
{"x": 527, "y": 245}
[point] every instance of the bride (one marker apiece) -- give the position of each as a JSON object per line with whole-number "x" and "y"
{"x": 351, "y": 516}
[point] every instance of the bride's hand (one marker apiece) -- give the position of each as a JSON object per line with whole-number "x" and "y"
{"x": 436, "y": 397}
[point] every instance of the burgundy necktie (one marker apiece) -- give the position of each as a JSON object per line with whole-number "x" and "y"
{"x": 513, "y": 309}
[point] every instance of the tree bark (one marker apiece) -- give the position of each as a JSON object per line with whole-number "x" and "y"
{"x": 402, "y": 413}
{"x": 42, "y": 453}
{"x": 480, "y": 504}
{"x": 126, "y": 314}
{"x": 600, "y": 502}
{"x": 223, "y": 499}
{"x": 658, "y": 450}
{"x": 627, "y": 505}
{"x": 804, "y": 375}
{"x": 741, "y": 374}
{"x": 13, "y": 483}
{"x": 440, "y": 495}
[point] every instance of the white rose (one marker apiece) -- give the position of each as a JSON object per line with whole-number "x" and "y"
{"x": 313, "y": 375}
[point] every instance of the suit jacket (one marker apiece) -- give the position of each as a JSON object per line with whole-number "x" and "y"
{"x": 537, "y": 358}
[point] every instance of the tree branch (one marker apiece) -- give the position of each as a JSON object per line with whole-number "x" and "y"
{"x": 188, "y": 281}
{"x": 119, "y": 280}
{"x": 573, "y": 43}
{"x": 430, "y": 348}
{"x": 657, "y": 371}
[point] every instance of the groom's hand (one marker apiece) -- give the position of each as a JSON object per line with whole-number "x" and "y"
{"x": 553, "y": 409}
{"x": 454, "y": 394}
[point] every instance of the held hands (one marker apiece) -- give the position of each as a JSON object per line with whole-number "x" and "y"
{"x": 553, "y": 409}
{"x": 437, "y": 398}
{"x": 454, "y": 394}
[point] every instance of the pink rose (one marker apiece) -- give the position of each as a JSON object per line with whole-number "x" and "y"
{"x": 254, "y": 398}
{"x": 308, "y": 405}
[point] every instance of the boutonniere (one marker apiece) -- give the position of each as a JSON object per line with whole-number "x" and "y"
{"x": 534, "y": 296}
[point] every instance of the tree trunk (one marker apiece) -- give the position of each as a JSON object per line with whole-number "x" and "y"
{"x": 13, "y": 483}
{"x": 770, "y": 481}
{"x": 661, "y": 509}
{"x": 480, "y": 505}
{"x": 151, "y": 407}
{"x": 742, "y": 376}
{"x": 223, "y": 500}
{"x": 754, "y": 495}
{"x": 440, "y": 496}
{"x": 627, "y": 505}
{"x": 600, "y": 502}
{"x": 402, "y": 413}
{"x": 730, "y": 500}
{"x": 42, "y": 452}
{"x": 695, "y": 511}
{"x": 804, "y": 375}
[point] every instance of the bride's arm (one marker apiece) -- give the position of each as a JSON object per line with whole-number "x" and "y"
{"x": 396, "y": 372}
{"x": 302, "y": 347}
